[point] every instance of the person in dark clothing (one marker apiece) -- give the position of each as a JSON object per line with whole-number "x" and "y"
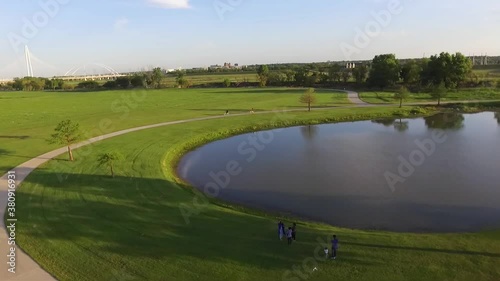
{"x": 335, "y": 246}
{"x": 289, "y": 236}
{"x": 294, "y": 231}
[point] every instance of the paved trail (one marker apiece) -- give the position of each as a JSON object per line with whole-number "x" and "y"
{"x": 29, "y": 270}
{"x": 354, "y": 98}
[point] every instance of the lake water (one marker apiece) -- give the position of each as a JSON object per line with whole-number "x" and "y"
{"x": 434, "y": 174}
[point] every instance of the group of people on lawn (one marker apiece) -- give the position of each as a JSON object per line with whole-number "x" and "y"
{"x": 291, "y": 234}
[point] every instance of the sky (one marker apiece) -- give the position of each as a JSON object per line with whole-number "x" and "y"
{"x": 66, "y": 36}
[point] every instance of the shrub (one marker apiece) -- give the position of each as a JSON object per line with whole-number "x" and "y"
{"x": 89, "y": 85}
{"x": 110, "y": 85}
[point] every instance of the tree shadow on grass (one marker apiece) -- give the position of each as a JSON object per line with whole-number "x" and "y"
{"x": 141, "y": 220}
{"x": 15, "y": 137}
{"x": 261, "y": 91}
{"x": 444, "y": 251}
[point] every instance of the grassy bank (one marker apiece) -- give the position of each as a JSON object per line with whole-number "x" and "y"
{"x": 28, "y": 118}
{"x": 461, "y": 95}
{"x": 90, "y": 226}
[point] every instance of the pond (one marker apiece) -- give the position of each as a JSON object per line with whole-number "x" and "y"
{"x": 433, "y": 174}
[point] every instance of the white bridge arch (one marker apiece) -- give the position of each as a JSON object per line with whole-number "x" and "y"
{"x": 74, "y": 73}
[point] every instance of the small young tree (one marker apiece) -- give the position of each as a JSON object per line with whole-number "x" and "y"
{"x": 181, "y": 80}
{"x": 439, "y": 92}
{"x": 263, "y": 74}
{"x": 156, "y": 77}
{"x": 66, "y": 133}
{"x": 226, "y": 83}
{"x": 108, "y": 159}
{"x": 401, "y": 95}
{"x": 309, "y": 97}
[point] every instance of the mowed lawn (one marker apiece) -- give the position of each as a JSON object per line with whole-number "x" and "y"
{"x": 461, "y": 95}
{"x": 217, "y": 78}
{"x": 81, "y": 224}
{"x": 28, "y": 118}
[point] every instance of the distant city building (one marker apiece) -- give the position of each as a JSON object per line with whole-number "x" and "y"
{"x": 350, "y": 65}
{"x": 479, "y": 60}
{"x": 226, "y": 65}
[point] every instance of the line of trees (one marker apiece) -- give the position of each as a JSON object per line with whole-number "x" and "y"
{"x": 36, "y": 84}
{"x": 152, "y": 79}
{"x": 384, "y": 71}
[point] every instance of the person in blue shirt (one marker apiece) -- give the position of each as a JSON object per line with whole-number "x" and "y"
{"x": 335, "y": 246}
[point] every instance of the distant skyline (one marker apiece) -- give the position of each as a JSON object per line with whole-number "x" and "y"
{"x": 130, "y": 35}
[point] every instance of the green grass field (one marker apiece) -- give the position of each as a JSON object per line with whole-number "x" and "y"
{"x": 491, "y": 71}
{"x": 78, "y": 223}
{"x": 461, "y": 95}
{"x": 30, "y": 117}
{"x": 216, "y": 78}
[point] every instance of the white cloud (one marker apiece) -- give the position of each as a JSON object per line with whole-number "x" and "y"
{"x": 171, "y": 4}
{"x": 120, "y": 23}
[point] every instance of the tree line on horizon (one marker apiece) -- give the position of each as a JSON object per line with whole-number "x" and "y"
{"x": 383, "y": 72}
{"x": 151, "y": 79}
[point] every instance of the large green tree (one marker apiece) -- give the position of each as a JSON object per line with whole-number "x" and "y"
{"x": 448, "y": 69}
{"x": 384, "y": 71}
{"x": 360, "y": 73}
{"x": 66, "y": 133}
{"x": 410, "y": 72}
{"x": 301, "y": 76}
{"x": 334, "y": 73}
{"x": 263, "y": 73}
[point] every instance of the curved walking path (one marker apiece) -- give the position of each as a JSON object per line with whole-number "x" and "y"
{"x": 27, "y": 269}
{"x": 354, "y": 98}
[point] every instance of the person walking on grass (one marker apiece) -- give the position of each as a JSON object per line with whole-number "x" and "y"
{"x": 289, "y": 236}
{"x": 294, "y": 231}
{"x": 281, "y": 230}
{"x": 335, "y": 246}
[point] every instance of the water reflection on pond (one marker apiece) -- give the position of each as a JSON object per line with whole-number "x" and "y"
{"x": 337, "y": 173}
